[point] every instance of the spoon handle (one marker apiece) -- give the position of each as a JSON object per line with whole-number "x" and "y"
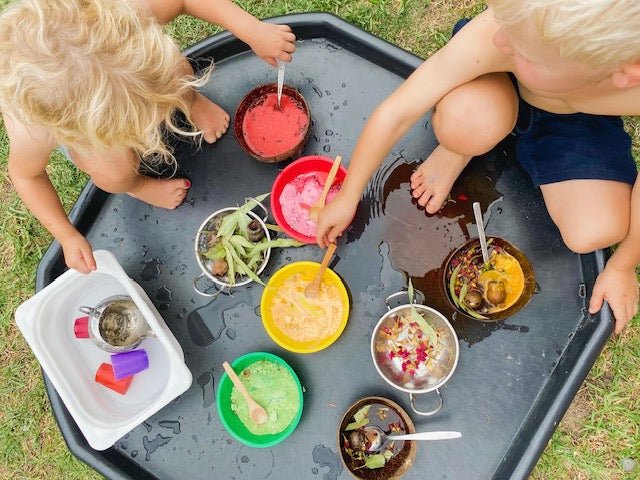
{"x": 426, "y": 436}
{"x": 481, "y": 235}
{"x": 280, "y": 79}
{"x": 329, "y": 181}
{"x": 238, "y": 383}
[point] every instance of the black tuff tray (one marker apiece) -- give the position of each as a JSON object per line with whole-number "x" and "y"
{"x": 514, "y": 379}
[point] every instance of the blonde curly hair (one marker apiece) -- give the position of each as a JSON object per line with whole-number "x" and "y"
{"x": 593, "y": 32}
{"x": 99, "y": 74}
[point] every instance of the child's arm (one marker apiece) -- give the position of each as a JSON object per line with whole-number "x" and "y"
{"x": 469, "y": 55}
{"x": 29, "y": 151}
{"x": 269, "y": 41}
{"x": 618, "y": 283}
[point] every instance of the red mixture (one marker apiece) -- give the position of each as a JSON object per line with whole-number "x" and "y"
{"x": 270, "y": 131}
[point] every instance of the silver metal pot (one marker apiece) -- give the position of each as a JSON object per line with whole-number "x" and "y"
{"x": 438, "y": 369}
{"x": 222, "y": 282}
{"x": 116, "y": 324}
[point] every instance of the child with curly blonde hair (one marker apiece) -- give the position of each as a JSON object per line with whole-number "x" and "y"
{"x": 101, "y": 79}
{"x": 575, "y": 68}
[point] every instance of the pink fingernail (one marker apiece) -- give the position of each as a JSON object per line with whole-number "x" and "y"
{"x": 188, "y": 183}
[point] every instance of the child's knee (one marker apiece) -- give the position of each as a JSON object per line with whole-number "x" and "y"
{"x": 473, "y": 118}
{"x": 590, "y": 236}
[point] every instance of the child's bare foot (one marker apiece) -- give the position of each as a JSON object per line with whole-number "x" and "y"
{"x": 161, "y": 192}
{"x": 210, "y": 118}
{"x": 432, "y": 181}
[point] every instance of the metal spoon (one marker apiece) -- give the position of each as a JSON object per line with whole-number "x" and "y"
{"x": 377, "y": 437}
{"x": 280, "y": 80}
{"x": 481, "y": 235}
{"x": 258, "y": 414}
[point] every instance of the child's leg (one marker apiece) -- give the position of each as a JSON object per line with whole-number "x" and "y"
{"x": 119, "y": 174}
{"x": 468, "y": 121}
{"x": 590, "y": 214}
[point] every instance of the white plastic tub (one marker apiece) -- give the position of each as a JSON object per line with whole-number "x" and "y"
{"x": 103, "y": 415}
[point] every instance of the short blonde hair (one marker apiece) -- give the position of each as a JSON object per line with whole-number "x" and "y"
{"x": 593, "y": 32}
{"x": 98, "y": 74}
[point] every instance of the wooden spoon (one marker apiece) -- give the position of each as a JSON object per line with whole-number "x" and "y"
{"x": 316, "y": 207}
{"x": 258, "y": 414}
{"x": 313, "y": 288}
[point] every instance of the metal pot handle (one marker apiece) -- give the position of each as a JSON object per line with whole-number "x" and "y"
{"x": 92, "y": 312}
{"x": 417, "y": 294}
{"x": 202, "y": 292}
{"x": 261, "y": 205}
{"x": 412, "y": 398}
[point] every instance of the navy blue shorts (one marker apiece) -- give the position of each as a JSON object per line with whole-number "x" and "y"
{"x": 556, "y": 147}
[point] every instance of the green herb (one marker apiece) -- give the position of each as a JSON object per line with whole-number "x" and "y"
{"x": 375, "y": 461}
{"x": 243, "y": 256}
{"x": 427, "y": 329}
{"x": 360, "y": 419}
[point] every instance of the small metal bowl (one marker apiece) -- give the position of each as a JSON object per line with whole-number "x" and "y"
{"x": 440, "y": 367}
{"x": 254, "y": 98}
{"x": 222, "y": 282}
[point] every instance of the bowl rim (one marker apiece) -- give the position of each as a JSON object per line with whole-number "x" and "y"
{"x": 275, "y": 196}
{"x": 247, "y": 102}
{"x": 456, "y": 342}
{"x": 272, "y": 330}
{"x": 241, "y": 363}
{"x": 210, "y": 275}
{"x": 403, "y": 414}
{"x": 529, "y": 280}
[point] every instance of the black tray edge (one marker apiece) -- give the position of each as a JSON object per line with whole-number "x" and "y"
{"x": 521, "y": 458}
{"x": 587, "y": 343}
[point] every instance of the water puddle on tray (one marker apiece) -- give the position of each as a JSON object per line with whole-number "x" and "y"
{"x": 388, "y": 207}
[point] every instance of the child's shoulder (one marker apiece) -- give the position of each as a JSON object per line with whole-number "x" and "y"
{"x": 27, "y": 140}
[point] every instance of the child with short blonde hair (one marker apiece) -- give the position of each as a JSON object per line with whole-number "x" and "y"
{"x": 574, "y": 67}
{"x": 101, "y": 79}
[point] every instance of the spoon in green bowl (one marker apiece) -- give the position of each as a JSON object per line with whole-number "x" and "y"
{"x": 258, "y": 414}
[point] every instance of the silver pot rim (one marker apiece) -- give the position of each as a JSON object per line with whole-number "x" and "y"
{"x": 418, "y": 306}
{"x": 211, "y": 276}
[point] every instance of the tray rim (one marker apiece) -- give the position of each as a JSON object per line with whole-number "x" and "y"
{"x": 589, "y": 340}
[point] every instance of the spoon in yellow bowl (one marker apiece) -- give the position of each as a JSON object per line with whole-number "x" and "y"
{"x": 258, "y": 414}
{"x": 313, "y": 288}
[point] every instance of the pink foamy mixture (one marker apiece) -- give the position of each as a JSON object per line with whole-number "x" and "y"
{"x": 298, "y": 196}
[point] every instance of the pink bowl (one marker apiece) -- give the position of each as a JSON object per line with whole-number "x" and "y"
{"x": 309, "y": 164}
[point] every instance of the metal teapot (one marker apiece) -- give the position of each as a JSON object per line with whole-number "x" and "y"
{"x": 116, "y": 324}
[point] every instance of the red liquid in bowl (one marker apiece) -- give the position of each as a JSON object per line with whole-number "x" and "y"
{"x": 270, "y": 131}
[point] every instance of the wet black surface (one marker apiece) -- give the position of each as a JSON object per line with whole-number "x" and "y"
{"x": 514, "y": 378}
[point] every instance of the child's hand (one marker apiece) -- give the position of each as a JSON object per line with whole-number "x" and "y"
{"x": 620, "y": 289}
{"x": 333, "y": 219}
{"x": 273, "y": 42}
{"x": 78, "y": 254}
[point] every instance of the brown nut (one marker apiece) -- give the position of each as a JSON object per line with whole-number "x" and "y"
{"x": 495, "y": 293}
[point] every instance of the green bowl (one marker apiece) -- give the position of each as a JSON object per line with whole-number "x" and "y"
{"x": 231, "y": 421}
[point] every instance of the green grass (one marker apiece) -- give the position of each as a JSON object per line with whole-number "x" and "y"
{"x": 601, "y": 428}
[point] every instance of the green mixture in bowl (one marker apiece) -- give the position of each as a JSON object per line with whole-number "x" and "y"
{"x": 273, "y": 387}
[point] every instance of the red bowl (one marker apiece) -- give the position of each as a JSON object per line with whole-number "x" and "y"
{"x": 312, "y": 163}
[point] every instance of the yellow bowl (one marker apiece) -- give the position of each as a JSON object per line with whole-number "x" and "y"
{"x": 308, "y": 271}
